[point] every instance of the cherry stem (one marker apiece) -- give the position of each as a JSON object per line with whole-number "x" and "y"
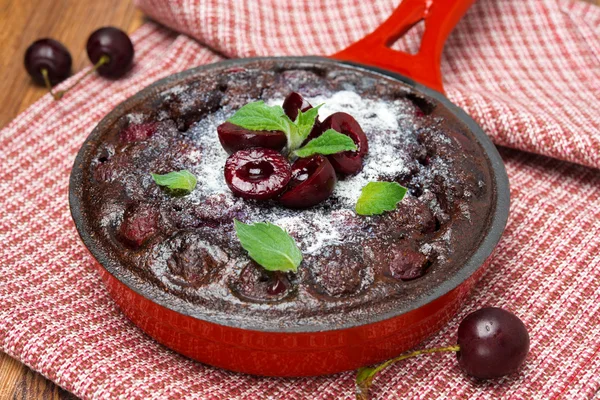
{"x": 44, "y": 72}
{"x": 362, "y": 389}
{"x": 102, "y": 61}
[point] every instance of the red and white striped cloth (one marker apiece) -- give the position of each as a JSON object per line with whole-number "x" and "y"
{"x": 528, "y": 71}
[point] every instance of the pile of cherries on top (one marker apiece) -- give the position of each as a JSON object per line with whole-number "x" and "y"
{"x": 257, "y": 168}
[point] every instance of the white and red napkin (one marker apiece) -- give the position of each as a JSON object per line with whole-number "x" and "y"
{"x": 528, "y": 71}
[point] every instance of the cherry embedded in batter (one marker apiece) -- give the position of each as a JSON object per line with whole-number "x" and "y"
{"x": 277, "y": 285}
{"x": 139, "y": 224}
{"x": 313, "y": 181}
{"x": 234, "y": 138}
{"x": 135, "y": 132}
{"x": 259, "y": 285}
{"x": 258, "y": 174}
{"x": 406, "y": 264}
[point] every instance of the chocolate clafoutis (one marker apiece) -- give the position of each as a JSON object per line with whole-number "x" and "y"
{"x": 183, "y": 246}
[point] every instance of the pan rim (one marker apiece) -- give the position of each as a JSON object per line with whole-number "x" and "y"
{"x": 477, "y": 259}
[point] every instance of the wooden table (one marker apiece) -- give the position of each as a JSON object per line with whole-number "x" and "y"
{"x": 69, "y": 21}
{"x": 22, "y": 22}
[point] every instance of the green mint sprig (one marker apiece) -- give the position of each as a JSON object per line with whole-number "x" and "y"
{"x": 177, "y": 180}
{"x": 330, "y": 142}
{"x": 258, "y": 116}
{"x": 269, "y": 245}
{"x": 304, "y": 122}
{"x": 378, "y": 197}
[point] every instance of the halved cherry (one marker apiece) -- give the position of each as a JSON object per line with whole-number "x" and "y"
{"x": 313, "y": 181}
{"x": 234, "y": 138}
{"x": 348, "y": 162}
{"x": 257, "y": 284}
{"x": 257, "y": 173}
{"x": 294, "y": 102}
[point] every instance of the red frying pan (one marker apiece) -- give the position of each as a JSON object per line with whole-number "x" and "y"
{"x": 439, "y": 17}
{"x": 309, "y": 351}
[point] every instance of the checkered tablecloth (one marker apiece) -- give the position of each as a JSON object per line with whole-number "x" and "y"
{"x": 527, "y": 70}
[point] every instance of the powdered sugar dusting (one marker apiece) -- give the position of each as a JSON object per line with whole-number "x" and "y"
{"x": 136, "y": 118}
{"x": 389, "y": 126}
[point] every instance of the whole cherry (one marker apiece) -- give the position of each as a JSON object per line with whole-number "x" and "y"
{"x": 492, "y": 343}
{"x": 313, "y": 180}
{"x": 48, "y": 62}
{"x": 111, "y": 51}
{"x": 257, "y": 173}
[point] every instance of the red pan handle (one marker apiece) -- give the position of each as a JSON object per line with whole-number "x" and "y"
{"x": 440, "y": 17}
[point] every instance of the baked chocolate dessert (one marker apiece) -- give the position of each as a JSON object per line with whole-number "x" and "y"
{"x": 183, "y": 248}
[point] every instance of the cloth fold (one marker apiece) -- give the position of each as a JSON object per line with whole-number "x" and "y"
{"x": 527, "y": 71}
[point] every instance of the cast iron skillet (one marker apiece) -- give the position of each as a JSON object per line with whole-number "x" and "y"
{"x": 307, "y": 350}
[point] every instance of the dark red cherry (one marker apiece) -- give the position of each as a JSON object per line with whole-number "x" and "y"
{"x": 294, "y": 102}
{"x": 405, "y": 263}
{"x": 234, "y": 138}
{"x": 313, "y": 181}
{"x": 50, "y": 55}
{"x": 135, "y": 132}
{"x": 257, "y": 173}
{"x": 115, "y": 44}
{"x": 493, "y": 343}
{"x": 139, "y": 224}
{"x": 278, "y": 285}
{"x": 257, "y": 284}
{"x": 348, "y": 162}
{"x": 339, "y": 270}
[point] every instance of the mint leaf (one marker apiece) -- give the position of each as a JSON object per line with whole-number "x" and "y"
{"x": 306, "y": 120}
{"x": 301, "y": 128}
{"x": 176, "y": 180}
{"x": 330, "y": 142}
{"x": 269, "y": 245}
{"x": 258, "y": 116}
{"x": 377, "y": 197}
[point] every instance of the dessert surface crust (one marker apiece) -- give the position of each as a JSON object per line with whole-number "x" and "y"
{"x": 182, "y": 249}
